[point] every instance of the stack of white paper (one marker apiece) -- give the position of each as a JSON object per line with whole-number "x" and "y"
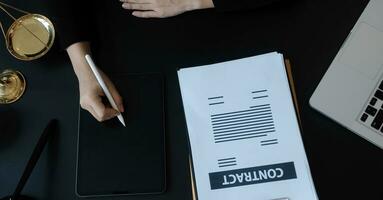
{"x": 243, "y": 131}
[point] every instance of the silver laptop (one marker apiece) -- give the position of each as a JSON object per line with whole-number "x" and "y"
{"x": 351, "y": 92}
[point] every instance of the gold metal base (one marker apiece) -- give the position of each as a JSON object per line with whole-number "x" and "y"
{"x": 12, "y": 86}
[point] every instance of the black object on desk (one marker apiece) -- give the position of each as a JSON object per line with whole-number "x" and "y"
{"x": 51, "y": 127}
{"x": 116, "y": 160}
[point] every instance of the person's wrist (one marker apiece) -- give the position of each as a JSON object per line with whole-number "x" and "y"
{"x": 85, "y": 75}
{"x": 81, "y": 68}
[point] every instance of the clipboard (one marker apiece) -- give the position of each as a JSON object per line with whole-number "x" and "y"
{"x": 295, "y": 99}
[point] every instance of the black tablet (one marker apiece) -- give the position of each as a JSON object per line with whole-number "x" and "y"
{"x": 116, "y": 160}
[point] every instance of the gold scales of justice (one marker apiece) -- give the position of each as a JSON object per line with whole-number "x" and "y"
{"x": 28, "y": 38}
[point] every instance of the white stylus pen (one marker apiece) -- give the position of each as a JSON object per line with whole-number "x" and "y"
{"x": 103, "y": 86}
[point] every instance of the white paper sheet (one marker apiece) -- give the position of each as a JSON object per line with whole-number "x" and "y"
{"x": 243, "y": 131}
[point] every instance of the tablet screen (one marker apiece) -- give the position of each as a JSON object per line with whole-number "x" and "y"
{"x": 117, "y": 160}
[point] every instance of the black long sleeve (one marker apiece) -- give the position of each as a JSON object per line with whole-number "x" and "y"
{"x": 235, "y": 5}
{"x": 73, "y": 21}
{"x": 76, "y": 21}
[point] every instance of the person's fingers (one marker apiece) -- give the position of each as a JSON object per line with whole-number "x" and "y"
{"x": 136, "y": 1}
{"x": 101, "y": 111}
{"x": 146, "y": 14}
{"x": 110, "y": 113}
{"x": 94, "y": 114}
{"x": 115, "y": 95}
{"x": 87, "y": 107}
{"x": 138, "y": 6}
{"x": 107, "y": 114}
{"x": 100, "y": 119}
{"x": 117, "y": 98}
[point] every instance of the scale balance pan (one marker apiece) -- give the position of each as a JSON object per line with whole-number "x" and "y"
{"x": 12, "y": 86}
{"x": 30, "y": 37}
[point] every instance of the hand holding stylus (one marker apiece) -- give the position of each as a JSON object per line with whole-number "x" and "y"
{"x": 103, "y": 86}
{"x": 90, "y": 91}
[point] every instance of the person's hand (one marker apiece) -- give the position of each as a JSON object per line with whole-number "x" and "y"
{"x": 164, "y": 8}
{"x": 90, "y": 91}
{"x": 91, "y": 96}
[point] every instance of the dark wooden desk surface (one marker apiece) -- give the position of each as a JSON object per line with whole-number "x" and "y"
{"x": 308, "y": 32}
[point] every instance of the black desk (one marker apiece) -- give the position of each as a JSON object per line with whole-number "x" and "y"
{"x": 309, "y": 32}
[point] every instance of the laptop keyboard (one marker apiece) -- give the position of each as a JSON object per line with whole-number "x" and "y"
{"x": 373, "y": 113}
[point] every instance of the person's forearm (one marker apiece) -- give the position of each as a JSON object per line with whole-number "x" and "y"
{"x": 76, "y": 54}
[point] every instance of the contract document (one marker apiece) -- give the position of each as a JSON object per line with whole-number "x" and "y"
{"x": 243, "y": 130}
